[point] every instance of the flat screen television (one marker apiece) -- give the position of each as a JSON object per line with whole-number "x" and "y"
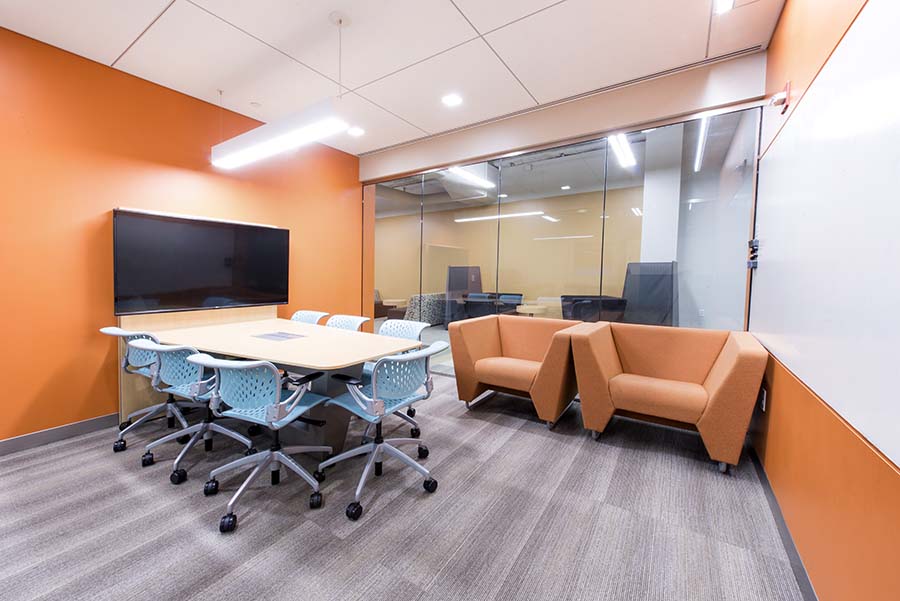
{"x": 172, "y": 263}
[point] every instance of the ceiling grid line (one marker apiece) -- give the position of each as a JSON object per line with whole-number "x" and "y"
{"x": 140, "y": 35}
{"x": 497, "y": 54}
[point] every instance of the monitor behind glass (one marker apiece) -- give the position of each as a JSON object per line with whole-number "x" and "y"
{"x": 165, "y": 263}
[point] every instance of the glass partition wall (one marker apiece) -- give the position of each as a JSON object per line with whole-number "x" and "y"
{"x": 645, "y": 227}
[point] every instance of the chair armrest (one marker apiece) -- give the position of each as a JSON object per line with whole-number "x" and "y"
{"x": 596, "y": 363}
{"x": 350, "y": 380}
{"x": 554, "y": 386}
{"x": 301, "y": 380}
{"x": 471, "y": 340}
{"x": 732, "y": 385}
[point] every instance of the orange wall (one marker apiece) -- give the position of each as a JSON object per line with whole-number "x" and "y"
{"x": 78, "y": 139}
{"x": 839, "y": 495}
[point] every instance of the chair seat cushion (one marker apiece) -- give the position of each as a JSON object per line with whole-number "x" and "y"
{"x": 184, "y": 391}
{"x": 506, "y": 372}
{"x": 669, "y": 399}
{"x": 347, "y": 401}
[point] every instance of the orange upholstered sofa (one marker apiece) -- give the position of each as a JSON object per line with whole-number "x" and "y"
{"x": 526, "y": 356}
{"x": 703, "y": 379}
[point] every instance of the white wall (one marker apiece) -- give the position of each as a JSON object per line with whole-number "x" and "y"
{"x": 713, "y": 230}
{"x": 826, "y": 296}
{"x": 662, "y": 193}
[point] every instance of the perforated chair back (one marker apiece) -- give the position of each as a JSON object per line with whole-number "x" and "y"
{"x": 309, "y": 316}
{"x": 346, "y": 322}
{"x": 172, "y": 367}
{"x": 402, "y": 328}
{"x": 243, "y": 384}
{"x": 133, "y": 357}
{"x": 403, "y": 378}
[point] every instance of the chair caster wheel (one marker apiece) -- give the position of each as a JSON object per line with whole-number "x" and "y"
{"x": 207, "y": 444}
{"x": 183, "y": 439}
{"x": 124, "y": 424}
{"x": 430, "y": 485}
{"x": 228, "y": 523}
{"x": 354, "y": 511}
{"x": 250, "y": 451}
{"x": 319, "y": 475}
{"x": 147, "y": 459}
{"x": 423, "y": 452}
{"x": 411, "y": 411}
{"x": 254, "y": 430}
{"x": 178, "y": 476}
{"x": 211, "y": 488}
{"x": 119, "y": 446}
{"x": 415, "y": 432}
{"x": 315, "y": 500}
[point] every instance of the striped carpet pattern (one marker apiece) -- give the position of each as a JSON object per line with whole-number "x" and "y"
{"x": 521, "y": 512}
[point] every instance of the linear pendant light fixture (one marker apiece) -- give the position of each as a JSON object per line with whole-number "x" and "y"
{"x": 312, "y": 124}
{"x": 504, "y": 216}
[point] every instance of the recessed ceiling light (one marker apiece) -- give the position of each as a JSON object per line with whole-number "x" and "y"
{"x": 502, "y": 195}
{"x": 622, "y": 150}
{"x": 565, "y": 187}
{"x": 720, "y": 7}
{"x": 356, "y": 131}
{"x": 452, "y": 100}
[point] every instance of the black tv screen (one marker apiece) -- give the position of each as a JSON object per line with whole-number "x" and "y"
{"x": 168, "y": 263}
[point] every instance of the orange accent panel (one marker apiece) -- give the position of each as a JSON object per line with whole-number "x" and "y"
{"x": 78, "y": 139}
{"x": 807, "y": 33}
{"x": 368, "y": 257}
{"x": 839, "y": 495}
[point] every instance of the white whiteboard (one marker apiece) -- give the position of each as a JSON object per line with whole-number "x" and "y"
{"x": 826, "y": 295}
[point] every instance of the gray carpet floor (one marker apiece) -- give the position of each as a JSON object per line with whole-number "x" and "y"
{"x": 521, "y": 512}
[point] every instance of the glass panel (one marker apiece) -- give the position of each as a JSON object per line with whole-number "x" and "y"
{"x": 551, "y": 232}
{"x": 398, "y": 243}
{"x": 459, "y": 247}
{"x": 677, "y": 225}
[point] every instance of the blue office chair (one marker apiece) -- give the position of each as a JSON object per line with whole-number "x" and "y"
{"x": 175, "y": 376}
{"x": 397, "y": 382}
{"x": 309, "y": 316}
{"x": 254, "y": 391}
{"x": 346, "y": 322}
{"x": 408, "y": 330}
{"x": 140, "y": 362}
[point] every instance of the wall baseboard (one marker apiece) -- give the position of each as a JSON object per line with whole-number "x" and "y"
{"x": 36, "y": 439}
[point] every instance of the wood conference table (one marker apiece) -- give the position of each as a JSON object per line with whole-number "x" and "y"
{"x": 300, "y": 348}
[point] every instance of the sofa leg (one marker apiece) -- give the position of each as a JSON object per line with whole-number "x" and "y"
{"x": 467, "y": 404}
{"x": 723, "y": 467}
{"x": 595, "y": 434}
{"x": 550, "y": 425}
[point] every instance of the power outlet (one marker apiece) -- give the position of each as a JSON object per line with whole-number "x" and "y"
{"x": 762, "y": 399}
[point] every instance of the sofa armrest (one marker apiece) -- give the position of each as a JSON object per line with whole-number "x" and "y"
{"x": 554, "y": 385}
{"x": 471, "y": 340}
{"x": 596, "y": 363}
{"x": 732, "y": 385}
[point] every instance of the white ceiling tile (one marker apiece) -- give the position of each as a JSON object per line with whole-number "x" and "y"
{"x": 471, "y": 70}
{"x": 97, "y": 29}
{"x": 747, "y": 25}
{"x": 583, "y": 45}
{"x": 382, "y": 35}
{"x": 486, "y": 16}
{"x": 193, "y": 52}
{"x": 382, "y": 128}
